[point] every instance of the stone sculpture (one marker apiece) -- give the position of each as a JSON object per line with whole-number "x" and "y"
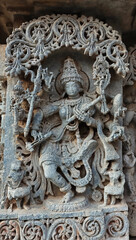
{"x": 116, "y": 186}
{"x": 129, "y": 165}
{"x": 64, "y": 146}
{"x": 129, "y": 150}
{"x": 67, "y": 128}
{"x": 15, "y": 188}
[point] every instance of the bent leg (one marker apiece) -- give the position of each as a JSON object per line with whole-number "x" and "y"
{"x": 113, "y": 200}
{"x": 105, "y": 198}
{"x": 26, "y": 199}
{"x": 50, "y": 172}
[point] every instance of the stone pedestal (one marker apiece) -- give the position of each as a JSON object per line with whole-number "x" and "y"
{"x": 95, "y": 222}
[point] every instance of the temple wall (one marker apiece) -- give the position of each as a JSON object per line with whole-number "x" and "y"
{"x": 68, "y": 171}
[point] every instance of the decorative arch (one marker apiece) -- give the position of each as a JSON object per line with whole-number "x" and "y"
{"x": 28, "y": 48}
{"x": 30, "y": 44}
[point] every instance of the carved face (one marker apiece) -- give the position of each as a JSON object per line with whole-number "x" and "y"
{"x": 72, "y": 88}
{"x": 16, "y": 175}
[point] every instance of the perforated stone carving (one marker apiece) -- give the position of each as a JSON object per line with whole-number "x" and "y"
{"x": 9, "y": 230}
{"x": 129, "y": 150}
{"x": 67, "y": 127}
{"x": 131, "y": 59}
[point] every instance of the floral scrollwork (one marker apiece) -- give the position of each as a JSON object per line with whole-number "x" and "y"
{"x": 34, "y": 230}
{"x": 66, "y": 29}
{"x": 94, "y": 227}
{"x": 9, "y": 230}
{"x": 117, "y": 224}
{"x": 34, "y": 41}
{"x": 62, "y": 229}
{"x": 18, "y": 52}
{"x": 117, "y": 54}
{"x": 38, "y": 30}
{"x": 97, "y": 195}
{"x": 131, "y": 76}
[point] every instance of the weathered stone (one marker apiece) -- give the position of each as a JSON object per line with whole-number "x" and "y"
{"x": 64, "y": 131}
{"x": 129, "y": 149}
{"x": 118, "y": 13}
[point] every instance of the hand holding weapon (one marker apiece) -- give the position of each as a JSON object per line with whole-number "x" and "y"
{"x": 52, "y": 134}
{"x": 30, "y": 146}
{"x": 42, "y": 74}
{"x": 37, "y": 86}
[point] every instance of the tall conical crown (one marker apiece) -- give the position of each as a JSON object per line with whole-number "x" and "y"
{"x": 70, "y": 72}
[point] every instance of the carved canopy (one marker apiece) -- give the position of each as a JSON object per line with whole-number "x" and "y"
{"x": 26, "y": 53}
{"x": 34, "y": 41}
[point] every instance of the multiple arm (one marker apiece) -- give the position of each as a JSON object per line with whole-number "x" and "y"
{"x": 38, "y": 118}
{"x": 116, "y": 130}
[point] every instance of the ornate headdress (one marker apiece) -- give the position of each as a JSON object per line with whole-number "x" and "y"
{"x": 70, "y": 72}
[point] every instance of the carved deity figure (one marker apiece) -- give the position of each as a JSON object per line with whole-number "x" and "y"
{"x": 18, "y": 193}
{"x": 116, "y": 186}
{"x": 63, "y": 131}
{"x": 67, "y": 149}
{"x": 129, "y": 166}
{"x": 129, "y": 150}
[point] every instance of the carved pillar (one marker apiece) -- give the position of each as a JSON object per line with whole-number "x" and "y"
{"x": 3, "y": 88}
{"x": 63, "y": 171}
{"x": 129, "y": 148}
